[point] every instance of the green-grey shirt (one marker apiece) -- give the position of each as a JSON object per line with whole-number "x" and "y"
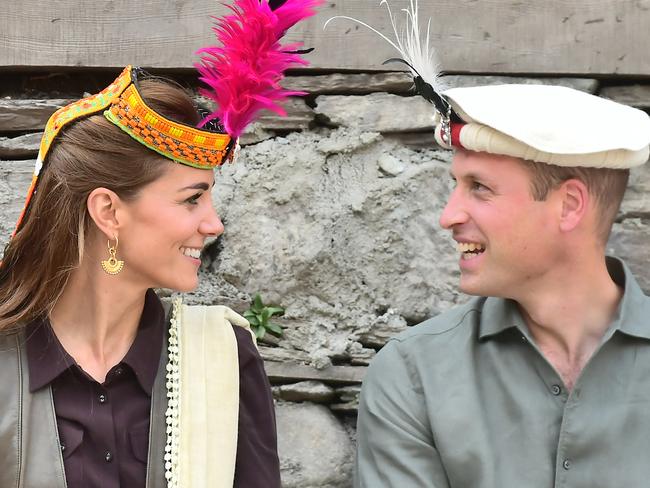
{"x": 467, "y": 400}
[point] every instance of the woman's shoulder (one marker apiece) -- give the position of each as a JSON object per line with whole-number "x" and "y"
{"x": 221, "y": 315}
{"x": 11, "y": 339}
{"x": 246, "y": 348}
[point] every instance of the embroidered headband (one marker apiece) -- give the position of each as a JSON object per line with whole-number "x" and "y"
{"x": 122, "y": 104}
{"x": 242, "y": 74}
{"x": 547, "y": 124}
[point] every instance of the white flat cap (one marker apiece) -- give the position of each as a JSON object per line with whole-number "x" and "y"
{"x": 548, "y": 124}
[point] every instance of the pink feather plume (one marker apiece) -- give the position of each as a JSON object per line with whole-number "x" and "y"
{"x": 244, "y": 73}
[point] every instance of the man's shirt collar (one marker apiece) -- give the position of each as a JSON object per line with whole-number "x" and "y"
{"x": 632, "y": 316}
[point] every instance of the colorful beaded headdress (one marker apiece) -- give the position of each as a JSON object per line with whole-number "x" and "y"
{"x": 242, "y": 74}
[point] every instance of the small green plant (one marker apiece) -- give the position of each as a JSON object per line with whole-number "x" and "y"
{"x": 258, "y": 316}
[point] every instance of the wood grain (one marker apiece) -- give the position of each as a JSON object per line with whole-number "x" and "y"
{"x": 487, "y": 36}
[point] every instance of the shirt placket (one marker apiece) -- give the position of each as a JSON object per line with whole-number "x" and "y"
{"x": 564, "y": 462}
{"x": 566, "y": 465}
{"x": 566, "y": 402}
{"x": 106, "y": 444}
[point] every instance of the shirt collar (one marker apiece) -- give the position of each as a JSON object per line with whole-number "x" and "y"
{"x": 144, "y": 355}
{"x": 630, "y": 318}
{"x": 499, "y": 315}
{"x": 633, "y": 311}
{"x": 47, "y": 358}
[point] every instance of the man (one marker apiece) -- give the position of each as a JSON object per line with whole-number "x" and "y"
{"x": 543, "y": 379}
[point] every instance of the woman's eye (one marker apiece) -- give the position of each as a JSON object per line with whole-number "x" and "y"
{"x": 193, "y": 199}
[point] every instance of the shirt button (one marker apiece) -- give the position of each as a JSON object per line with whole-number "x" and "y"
{"x": 62, "y": 447}
{"x": 102, "y": 398}
{"x": 556, "y": 390}
{"x": 566, "y": 464}
{"x": 118, "y": 371}
{"x": 108, "y": 457}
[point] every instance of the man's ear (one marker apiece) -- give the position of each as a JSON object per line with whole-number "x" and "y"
{"x": 575, "y": 202}
{"x": 103, "y": 207}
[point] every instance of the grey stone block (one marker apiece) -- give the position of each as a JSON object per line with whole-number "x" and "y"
{"x": 315, "y": 450}
{"x": 634, "y": 95}
{"x": 306, "y": 391}
{"x": 381, "y": 112}
{"x": 15, "y": 177}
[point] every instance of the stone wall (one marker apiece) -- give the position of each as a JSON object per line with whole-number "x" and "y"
{"x": 331, "y": 213}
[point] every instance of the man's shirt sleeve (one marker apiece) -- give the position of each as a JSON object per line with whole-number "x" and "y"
{"x": 395, "y": 445}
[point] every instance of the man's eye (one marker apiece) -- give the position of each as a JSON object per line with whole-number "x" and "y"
{"x": 476, "y": 186}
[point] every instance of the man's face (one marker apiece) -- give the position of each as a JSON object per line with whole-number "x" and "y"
{"x": 507, "y": 240}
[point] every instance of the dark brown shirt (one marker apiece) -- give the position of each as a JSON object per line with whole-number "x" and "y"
{"x": 104, "y": 428}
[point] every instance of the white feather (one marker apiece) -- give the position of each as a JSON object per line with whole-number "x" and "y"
{"x": 408, "y": 42}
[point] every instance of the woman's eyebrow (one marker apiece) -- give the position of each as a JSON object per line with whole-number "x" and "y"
{"x": 196, "y": 186}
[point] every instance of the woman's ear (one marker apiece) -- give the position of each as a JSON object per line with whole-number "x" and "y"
{"x": 575, "y": 201}
{"x": 103, "y": 206}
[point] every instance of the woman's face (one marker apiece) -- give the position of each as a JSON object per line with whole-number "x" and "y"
{"x": 165, "y": 229}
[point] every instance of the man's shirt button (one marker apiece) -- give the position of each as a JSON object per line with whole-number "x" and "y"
{"x": 566, "y": 464}
{"x": 556, "y": 390}
{"x": 108, "y": 457}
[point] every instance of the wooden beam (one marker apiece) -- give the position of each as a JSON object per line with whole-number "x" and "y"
{"x": 401, "y": 83}
{"x": 491, "y": 36}
{"x": 351, "y": 84}
{"x": 27, "y": 115}
{"x": 21, "y": 147}
{"x": 289, "y": 373}
{"x": 30, "y": 115}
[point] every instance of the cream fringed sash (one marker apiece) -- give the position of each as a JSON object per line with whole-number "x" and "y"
{"x": 203, "y": 397}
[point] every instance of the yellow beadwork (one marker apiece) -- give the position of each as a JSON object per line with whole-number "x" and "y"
{"x": 185, "y": 144}
{"x": 127, "y": 110}
{"x": 81, "y": 108}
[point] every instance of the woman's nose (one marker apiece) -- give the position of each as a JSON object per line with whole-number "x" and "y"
{"x": 212, "y": 225}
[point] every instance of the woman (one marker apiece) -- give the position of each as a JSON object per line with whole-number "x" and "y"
{"x": 104, "y": 385}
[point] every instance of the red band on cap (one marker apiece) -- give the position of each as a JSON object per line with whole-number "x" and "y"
{"x": 455, "y": 134}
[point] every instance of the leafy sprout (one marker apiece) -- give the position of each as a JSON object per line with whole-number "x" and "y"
{"x": 259, "y": 315}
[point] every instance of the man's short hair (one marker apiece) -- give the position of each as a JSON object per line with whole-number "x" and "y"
{"x": 606, "y": 185}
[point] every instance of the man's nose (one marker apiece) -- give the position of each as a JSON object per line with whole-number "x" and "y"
{"x": 454, "y": 212}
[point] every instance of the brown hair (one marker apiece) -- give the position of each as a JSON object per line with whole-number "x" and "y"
{"x": 606, "y": 185}
{"x": 89, "y": 154}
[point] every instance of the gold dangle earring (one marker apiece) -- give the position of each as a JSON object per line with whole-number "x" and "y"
{"x": 112, "y": 265}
